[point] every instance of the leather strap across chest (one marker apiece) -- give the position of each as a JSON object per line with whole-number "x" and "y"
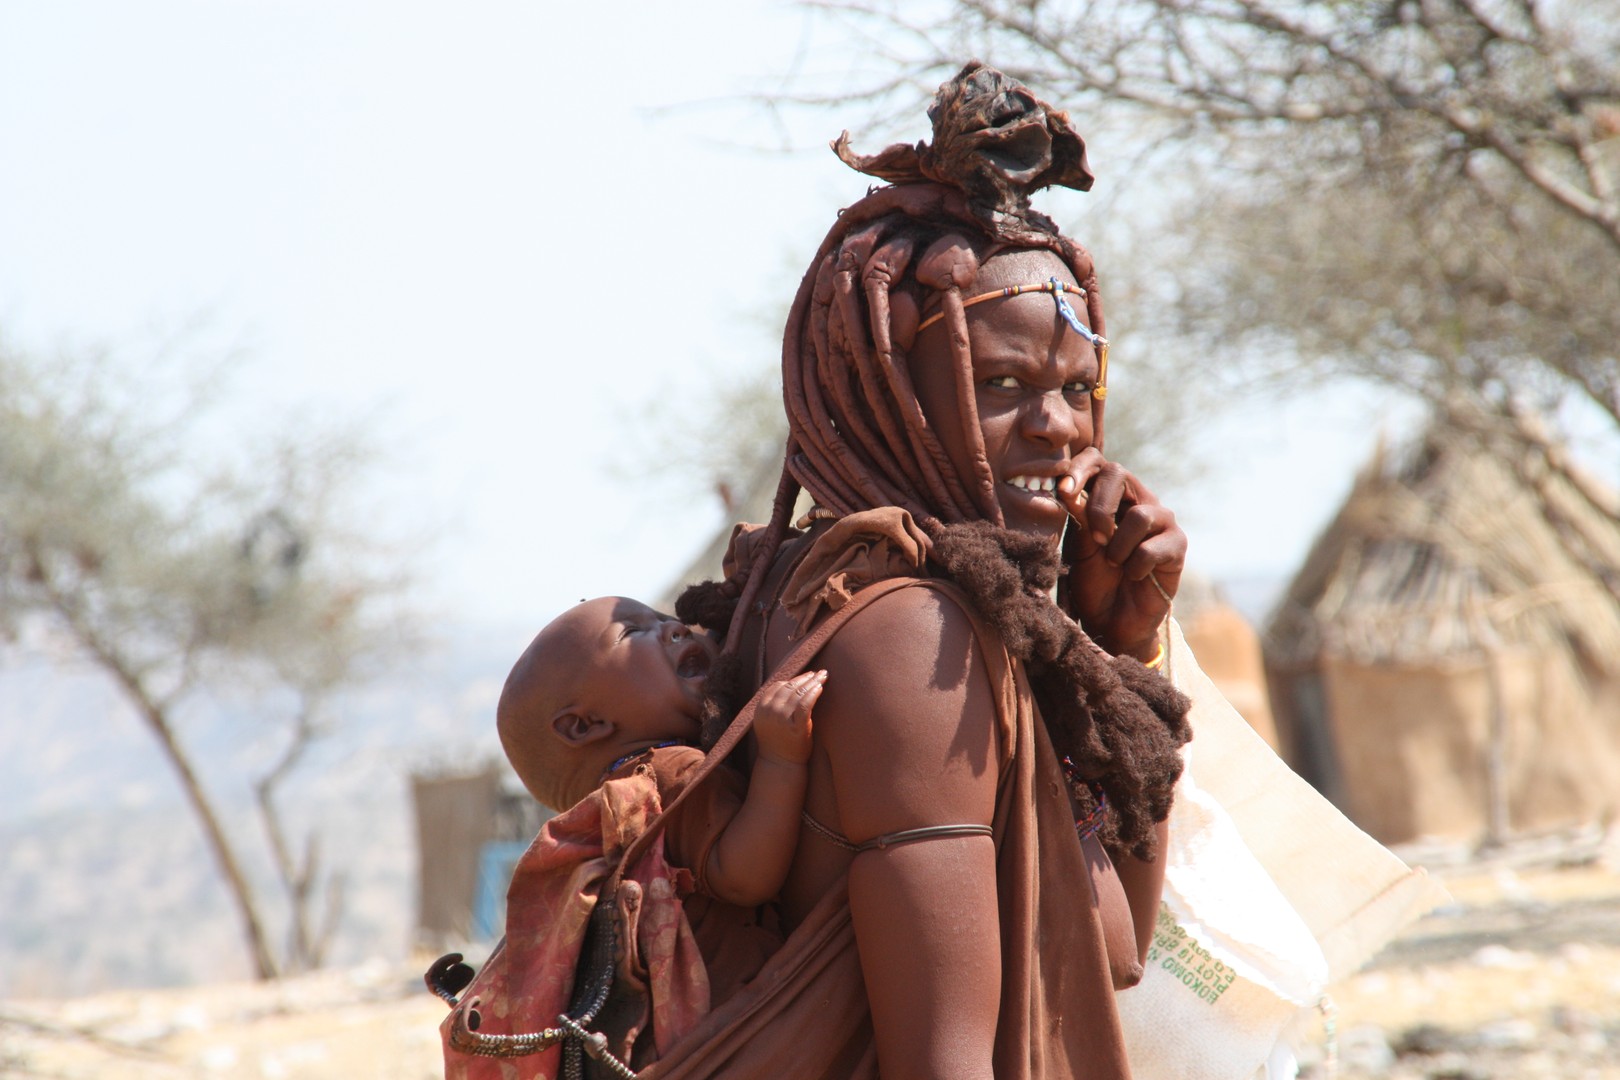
{"x": 791, "y": 665}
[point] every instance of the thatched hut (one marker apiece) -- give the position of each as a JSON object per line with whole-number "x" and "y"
{"x": 1447, "y": 661}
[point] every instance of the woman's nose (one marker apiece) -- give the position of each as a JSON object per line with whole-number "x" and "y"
{"x": 1050, "y": 419}
{"x": 671, "y": 631}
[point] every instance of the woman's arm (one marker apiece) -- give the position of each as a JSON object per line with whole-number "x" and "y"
{"x": 908, "y": 724}
{"x": 1128, "y": 554}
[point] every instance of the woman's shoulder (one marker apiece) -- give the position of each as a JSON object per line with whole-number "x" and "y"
{"x": 924, "y": 635}
{"x": 930, "y": 607}
{"x": 913, "y": 720}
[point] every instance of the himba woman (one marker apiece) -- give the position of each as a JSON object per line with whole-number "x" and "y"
{"x": 976, "y": 874}
{"x": 995, "y": 751}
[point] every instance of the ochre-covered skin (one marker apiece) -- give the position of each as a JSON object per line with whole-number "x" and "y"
{"x": 914, "y": 742}
{"x": 980, "y": 956}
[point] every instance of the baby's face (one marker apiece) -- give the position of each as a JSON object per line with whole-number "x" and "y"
{"x": 640, "y": 669}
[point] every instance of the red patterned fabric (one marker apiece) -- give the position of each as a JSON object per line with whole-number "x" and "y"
{"x": 529, "y": 979}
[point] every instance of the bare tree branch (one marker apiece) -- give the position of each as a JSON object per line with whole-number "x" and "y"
{"x": 172, "y": 582}
{"x": 156, "y": 718}
{"x": 1498, "y": 121}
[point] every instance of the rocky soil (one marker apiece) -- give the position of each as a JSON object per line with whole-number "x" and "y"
{"x": 1518, "y": 979}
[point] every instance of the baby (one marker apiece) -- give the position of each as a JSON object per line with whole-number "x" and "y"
{"x": 611, "y": 691}
{"x": 611, "y": 685}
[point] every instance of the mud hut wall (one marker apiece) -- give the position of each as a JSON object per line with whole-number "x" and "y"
{"x": 1564, "y": 767}
{"x": 455, "y": 815}
{"x": 1304, "y": 734}
{"x": 1412, "y": 745}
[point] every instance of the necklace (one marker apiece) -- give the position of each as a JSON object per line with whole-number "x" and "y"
{"x": 632, "y": 755}
{"x": 1092, "y": 821}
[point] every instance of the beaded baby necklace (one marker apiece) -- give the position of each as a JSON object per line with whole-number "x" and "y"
{"x": 632, "y": 755}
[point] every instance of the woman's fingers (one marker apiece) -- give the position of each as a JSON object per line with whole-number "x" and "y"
{"x": 1133, "y": 530}
{"x": 1162, "y": 556}
{"x": 1113, "y": 491}
{"x": 1122, "y": 597}
{"x": 1071, "y": 489}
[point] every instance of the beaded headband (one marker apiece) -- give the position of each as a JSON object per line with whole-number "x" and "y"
{"x": 1057, "y": 289}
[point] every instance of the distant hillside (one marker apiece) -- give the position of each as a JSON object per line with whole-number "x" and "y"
{"x": 105, "y": 880}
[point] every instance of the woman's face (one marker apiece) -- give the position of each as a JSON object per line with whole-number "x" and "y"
{"x": 1032, "y": 382}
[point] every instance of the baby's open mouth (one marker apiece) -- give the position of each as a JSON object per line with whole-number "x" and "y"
{"x": 694, "y": 662}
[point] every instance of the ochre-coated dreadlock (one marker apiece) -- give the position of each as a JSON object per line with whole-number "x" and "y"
{"x": 858, "y": 438}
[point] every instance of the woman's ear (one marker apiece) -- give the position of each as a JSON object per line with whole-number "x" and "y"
{"x": 581, "y": 729}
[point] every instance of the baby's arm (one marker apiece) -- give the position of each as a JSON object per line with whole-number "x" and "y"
{"x": 749, "y": 860}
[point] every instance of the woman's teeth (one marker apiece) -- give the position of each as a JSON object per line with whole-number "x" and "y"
{"x": 1039, "y": 485}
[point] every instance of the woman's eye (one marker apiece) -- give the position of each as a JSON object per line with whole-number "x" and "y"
{"x": 1002, "y": 382}
{"x": 1077, "y": 389}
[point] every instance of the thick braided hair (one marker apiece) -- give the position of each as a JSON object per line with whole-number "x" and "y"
{"x": 858, "y": 438}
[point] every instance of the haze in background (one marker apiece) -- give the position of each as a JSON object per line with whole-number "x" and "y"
{"x": 511, "y": 236}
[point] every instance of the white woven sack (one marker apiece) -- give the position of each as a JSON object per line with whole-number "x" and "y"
{"x": 1270, "y": 895}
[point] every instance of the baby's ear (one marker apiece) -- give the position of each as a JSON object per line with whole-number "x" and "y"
{"x": 581, "y": 729}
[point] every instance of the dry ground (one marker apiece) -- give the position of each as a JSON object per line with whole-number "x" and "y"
{"x": 371, "y": 1021}
{"x": 1519, "y": 979}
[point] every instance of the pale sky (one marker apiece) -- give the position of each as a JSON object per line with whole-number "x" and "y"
{"x": 507, "y": 233}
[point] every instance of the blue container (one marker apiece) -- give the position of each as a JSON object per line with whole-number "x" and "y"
{"x": 496, "y": 860}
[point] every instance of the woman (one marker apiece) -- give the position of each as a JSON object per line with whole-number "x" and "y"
{"x": 945, "y": 376}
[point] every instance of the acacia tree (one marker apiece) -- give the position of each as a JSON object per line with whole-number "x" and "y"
{"x": 1421, "y": 192}
{"x": 179, "y": 572}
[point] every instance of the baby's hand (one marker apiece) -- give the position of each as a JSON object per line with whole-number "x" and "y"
{"x": 782, "y": 722}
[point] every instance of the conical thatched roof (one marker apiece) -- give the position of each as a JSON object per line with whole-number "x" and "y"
{"x": 1476, "y": 537}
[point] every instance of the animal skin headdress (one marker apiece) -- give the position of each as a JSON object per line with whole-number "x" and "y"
{"x": 995, "y": 141}
{"x": 858, "y": 437}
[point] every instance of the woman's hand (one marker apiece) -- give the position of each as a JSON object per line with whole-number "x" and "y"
{"x": 1128, "y": 554}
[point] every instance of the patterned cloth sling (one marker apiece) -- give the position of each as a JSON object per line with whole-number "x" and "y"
{"x": 590, "y": 1040}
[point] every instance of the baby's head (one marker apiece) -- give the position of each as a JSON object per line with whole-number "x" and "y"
{"x": 603, "y": 679}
